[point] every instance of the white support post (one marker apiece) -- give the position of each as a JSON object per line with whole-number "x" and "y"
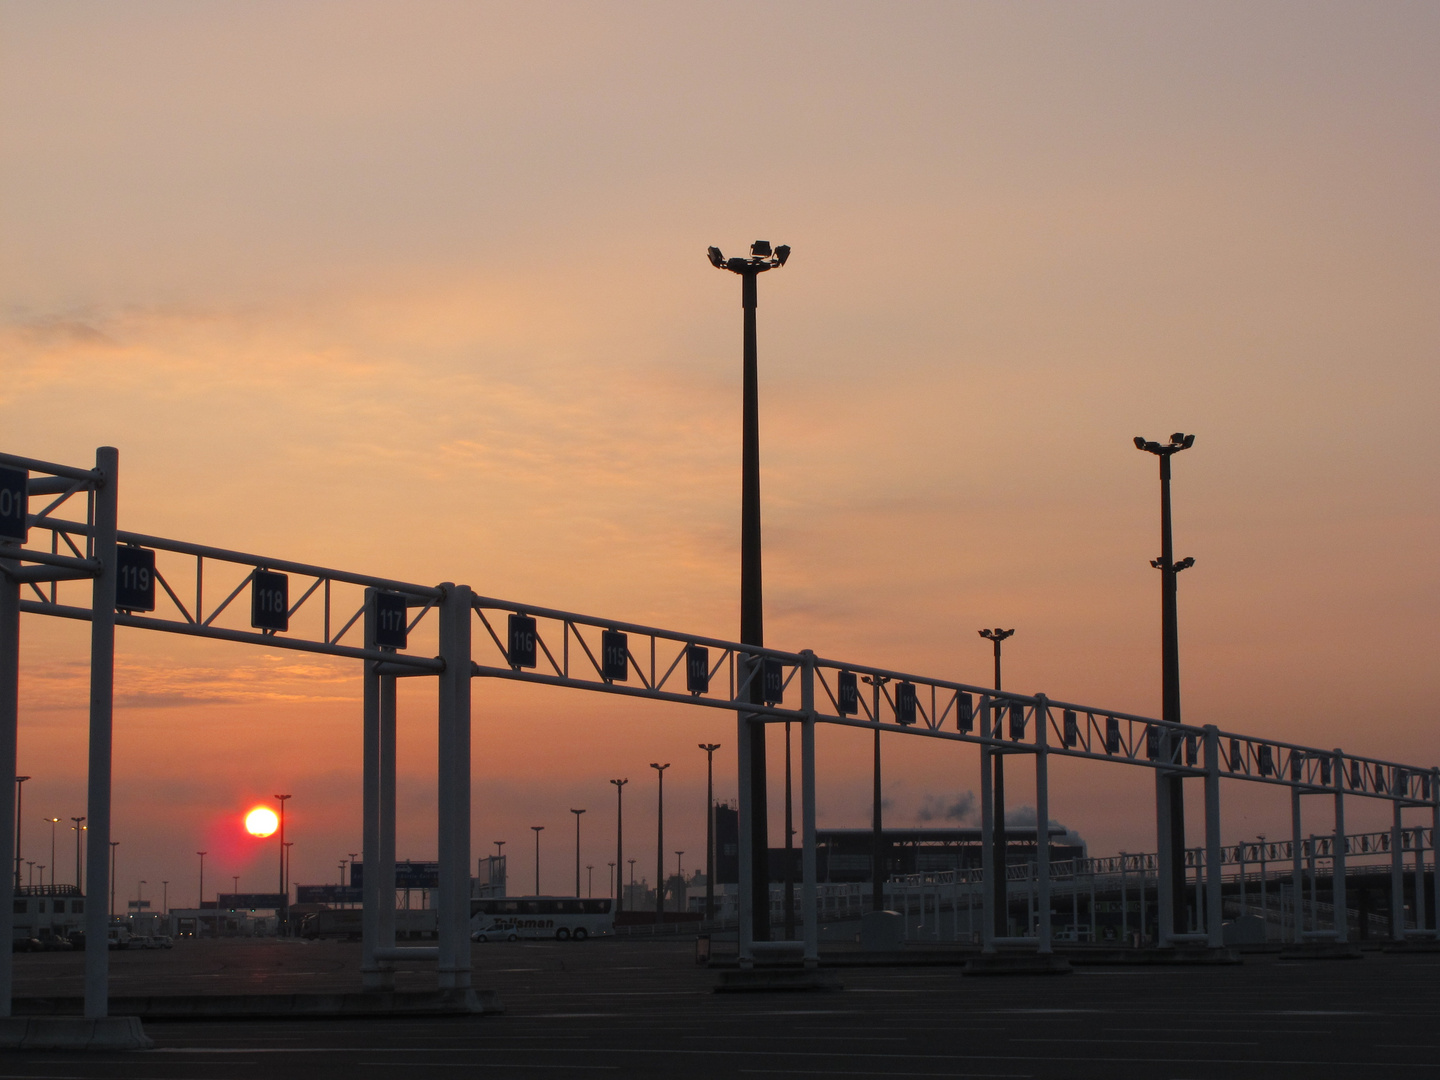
{"x": 454, "y": 788}
{"x": 1042, "y": 818}
{"x": 1397, "y": 878}
{"x": 386, "y": 868}
{"x": 373, "y": 973}
{"x": 1435, "y": 843}
{"x": 987, "y": 835}
{"x": 9, "y": 742}
{"x": 102, "y": 699}
{"x": 1213, "y": 905}
{"x": 1164, "y": 857}
{"x": 745, "y": 927}
{"x": 1420, "y": 879}
{"x": 1337, "y": 862}
{"x": 807, "y": 811}
{"x": 1297, "y": 869}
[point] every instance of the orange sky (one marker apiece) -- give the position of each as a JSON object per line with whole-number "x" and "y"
{"x": 420, "y": 290}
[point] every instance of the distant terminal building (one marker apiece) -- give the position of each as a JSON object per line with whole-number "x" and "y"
{"x": 846, "y": 856}
{"x": 48, "y": 911}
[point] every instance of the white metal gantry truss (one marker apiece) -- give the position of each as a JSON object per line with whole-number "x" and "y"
{"x": 561, "y": 648}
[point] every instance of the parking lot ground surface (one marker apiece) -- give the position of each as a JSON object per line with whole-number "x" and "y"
{"x": 646, "y": 1009}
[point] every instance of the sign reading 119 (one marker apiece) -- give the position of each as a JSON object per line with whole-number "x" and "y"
{"x": 134, "y": 578}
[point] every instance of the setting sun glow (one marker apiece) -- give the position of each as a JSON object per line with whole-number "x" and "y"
{"x": 261, "y": 821}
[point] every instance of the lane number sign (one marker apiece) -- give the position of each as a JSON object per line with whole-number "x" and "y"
{"x": 905, "y": 703}
{"x": 392, "y": 621}
{"x": 614, "y": 656}
{"x": 697, "y": 669}
{"x": 774, "y": 682}
{"x": 134, "y": 579}
{"x": 270, "y": 601}
{"x": 14, "y": 505}
{"x": 522, "y": 641}
{"x": 965, "y": 712}
{"x": 849, "y": 696}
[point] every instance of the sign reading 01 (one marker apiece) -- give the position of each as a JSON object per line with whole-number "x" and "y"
{"x": 849, "y": 695}
{"x": 522, "y": 641}
{"x": 697, "y": 669}
{"x": 134, "y": 578}
{"x": 614, "y": 656}
{"x": 14, "y": 505}
{"x": 270, "y": 601}
{"x": 392, "y": 622}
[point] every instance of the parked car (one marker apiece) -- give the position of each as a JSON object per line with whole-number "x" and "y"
{"x": 162, "y": 941}
{"x": 494, "y": 933}
{"x": 28, "y": 944}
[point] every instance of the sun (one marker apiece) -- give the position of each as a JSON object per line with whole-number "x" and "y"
{"x": 261, "y": 821}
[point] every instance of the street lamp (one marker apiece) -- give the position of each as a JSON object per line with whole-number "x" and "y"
{"x": 680, "y": 873}
{"x": 632, "y": 875}
{"x": 165, "y": 898}
{"x": 589, "y": 880}
{"x": 1169, "y": 569}
{"x": 710, "y": 749}
{"x": 752, "y": 613}
{"x": 19, "y": 805}
{"x": 613, "y": 890}
{"x": 577, "y": 814}
{"x": 538, "y": 830}
{"x": 284, "y": 884}
{"x": 660, "y": 845}
{"x": 53, "y": 822}
{"x": 78, "y": 830}
{"x": 619, "y": 839}
{"x": 998, "y": 845}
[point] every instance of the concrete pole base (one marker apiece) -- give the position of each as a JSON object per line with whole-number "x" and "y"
{"x": 73, "y": 1033}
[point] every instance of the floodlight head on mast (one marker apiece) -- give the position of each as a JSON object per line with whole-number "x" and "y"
{"x": 762, "y": 257}
{"x": 997, "y": 634}
{"x": 1179, "y": 441}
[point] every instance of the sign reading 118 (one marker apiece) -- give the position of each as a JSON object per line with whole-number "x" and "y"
{"x": 270, "y": 601}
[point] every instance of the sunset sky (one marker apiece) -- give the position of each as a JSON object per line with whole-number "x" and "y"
{"x": 420, "y": 289}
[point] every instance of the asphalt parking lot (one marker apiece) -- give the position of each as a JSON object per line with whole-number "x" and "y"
{"x": 646, "y": 1009}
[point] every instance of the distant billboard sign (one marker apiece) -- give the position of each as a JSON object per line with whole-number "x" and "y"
{"x": 250, "y": 901}
{"x": 329, "y": 894}
{"x": 408, "y": 875}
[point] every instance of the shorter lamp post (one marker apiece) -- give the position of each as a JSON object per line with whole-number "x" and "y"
{"x": 709, "y": 749}
{"x": 537, "y": 829}
{"x": 577, "y": 814}
{"x": 79, "y": 821}
{"x": 660, "y": 845}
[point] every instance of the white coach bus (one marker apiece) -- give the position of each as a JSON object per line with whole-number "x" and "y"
{"x": 560, "y": 918}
